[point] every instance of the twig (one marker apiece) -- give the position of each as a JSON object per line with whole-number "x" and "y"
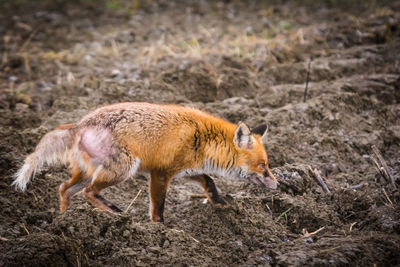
{"x": 34, "y": 195}
{"x": 24, "y": 26}
{"x": 133, "y": 200}
{"x": 268, "y": 209}
{"x": 382, "y": 167}
{"x": 3, "y": 238}
{"x": 386, "y": 195}
{"x": 87, "y": 259}
{"x": 257, "y": 100}
{"x": 26, "y": 63}
{"x": 26, "y": 229}
{"x": 27, "y": 41}
{"x": 378, "y": 168}
{"x": 4, "y": 58}
{"x": 318, "y": 176}
{"x": 6, "y": 39}
{"x": 248, "y": 216}
{"x": 115, "y": 47}
{"x": 351, "y": 226}
{"x": 307, "y": 81}
{"x": 181, "y": 231}
{"x": 63, "y": 236}
{"x": 306, "y": 234}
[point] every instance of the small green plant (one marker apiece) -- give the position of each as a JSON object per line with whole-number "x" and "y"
{"x": 117, "y": 5}
{"x": 286, "y": 25}
{"x": 113, "y": 4}
{"x": 284, "y": 214}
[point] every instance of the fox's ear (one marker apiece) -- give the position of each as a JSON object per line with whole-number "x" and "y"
{"x": 243, "y": 138}
{"x": 261, "y": 130}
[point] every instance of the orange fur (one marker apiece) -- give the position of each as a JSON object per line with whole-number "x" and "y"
{"x": 114, "y": 142}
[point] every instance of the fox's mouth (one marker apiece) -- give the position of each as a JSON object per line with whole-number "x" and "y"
{"x": 267, "y": 182}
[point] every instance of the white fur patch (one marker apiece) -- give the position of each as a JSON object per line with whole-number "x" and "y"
{"x": 150, "y": 203}
{"x": 77, "y": 155}
{"x": 96, "y": 173}
{"x": 210, "y": 168}
{"x": 134, "y": 167}
{"x": 25, "y": 173}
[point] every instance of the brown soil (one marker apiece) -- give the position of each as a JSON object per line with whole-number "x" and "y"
{"x": 244, "y": 61}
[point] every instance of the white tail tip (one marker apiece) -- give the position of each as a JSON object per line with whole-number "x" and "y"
{"x": 24, "y": 174}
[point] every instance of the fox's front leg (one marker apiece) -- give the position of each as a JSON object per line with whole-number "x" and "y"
{"x": 158, "y": 189}
{"x": 210, "y": 190}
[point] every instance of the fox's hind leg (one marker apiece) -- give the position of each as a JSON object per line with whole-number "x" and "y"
{"x": 107, "y": 175}
{"x": 70, "y": 187}
{"x": 103, "y": 180}
{"x": 210, "y": 190}
{"x": 108, "y": 163}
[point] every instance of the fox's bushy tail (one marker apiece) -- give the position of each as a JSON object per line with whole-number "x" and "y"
{"x": 53, "y": 148}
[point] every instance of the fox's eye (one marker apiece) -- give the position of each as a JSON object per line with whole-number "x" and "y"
{"x": 262, "y": 165}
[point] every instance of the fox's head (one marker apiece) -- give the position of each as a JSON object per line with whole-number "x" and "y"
{"x": 252, "y": 156}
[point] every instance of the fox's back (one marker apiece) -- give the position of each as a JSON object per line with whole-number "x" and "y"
{"x": 158, "y": 133}
{"x": 145, "y": 121}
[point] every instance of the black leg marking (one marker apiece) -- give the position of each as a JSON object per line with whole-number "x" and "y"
{"x": 213, "y": 192}
{"x": 109, "y": 204}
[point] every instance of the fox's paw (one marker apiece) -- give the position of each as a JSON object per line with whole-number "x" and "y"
{"x": 109, "y": 207}
{"x": 220, "y": 203}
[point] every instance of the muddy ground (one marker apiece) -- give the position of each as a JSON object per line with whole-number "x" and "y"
{"x": 244, "y": 61}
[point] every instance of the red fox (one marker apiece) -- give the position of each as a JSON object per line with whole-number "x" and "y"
{"x": 117, "y": 141}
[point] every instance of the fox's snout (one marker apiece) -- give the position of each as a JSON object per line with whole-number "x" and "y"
{"x": 269, "y": 183}
{"x": 272, "y": 181}
{"x": 265, "y": 181}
